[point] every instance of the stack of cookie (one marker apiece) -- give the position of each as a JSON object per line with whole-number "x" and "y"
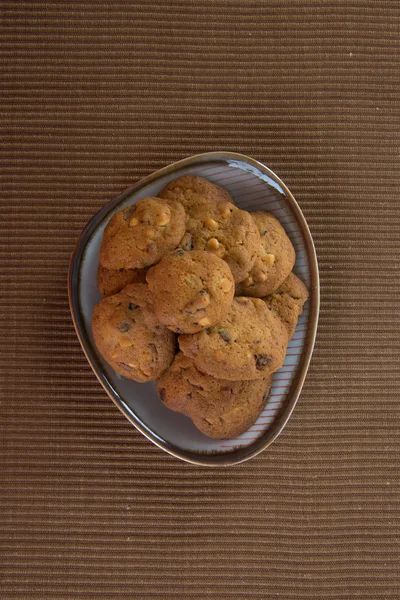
{"x": 191, "y": 263}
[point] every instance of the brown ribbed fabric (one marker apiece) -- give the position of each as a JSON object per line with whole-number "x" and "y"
{"x": 96, "y": 95}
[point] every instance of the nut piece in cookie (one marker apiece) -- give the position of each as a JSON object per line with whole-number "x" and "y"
{"x": 288, "y": 301}
{"x": 275, "y": 258}
{"x": 112, "y": 281}
{"x": 139, "y": 235}
{"x": 129, "y": 336}
{"x": 218, "y": 407}
{"x": 250, "y": 343}
{"x": 191, "y": 290}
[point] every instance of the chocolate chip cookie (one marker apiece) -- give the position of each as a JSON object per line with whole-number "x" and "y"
{"x": 199, "y": 198}
{"x": 190, "y": 189}
{"x": 129, "y": 336}
{"x": 215, "y": 224}
{"x": 139, "y": 235}
{"x": 288, "y": 301}
{"x": 218, "y": 407}
{"x": 191, "y": 290}
{"x": 231, "y": 234}
{"x": 275, "y": 258}
{"x": 250, "y": 343}
{"x": 112, "y": 281}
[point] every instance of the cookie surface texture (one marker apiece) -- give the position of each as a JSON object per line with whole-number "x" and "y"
{"x": 191, "y": 290}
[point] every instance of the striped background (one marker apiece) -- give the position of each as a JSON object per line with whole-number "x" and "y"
{"x": 96, "y": 95}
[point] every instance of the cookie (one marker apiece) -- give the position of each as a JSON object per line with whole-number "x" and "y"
{"x": 129, "y": 336}
{"x": 230, "y": 234}
{"x": 250, "y": 343}
{"x": 219, "y": 408}
{"x": 275, "y": 258}
{"x": 190, "y": 290}
{"x": 215, "y": 224}
{"x": 112, "y": 281}
{"x": 200, "y": 198}
{"x": 189, "y": 189}
{"x": 288, "y": 301}
{"x": 139, "y": 235}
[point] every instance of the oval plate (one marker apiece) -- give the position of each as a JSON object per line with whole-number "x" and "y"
{"x": 253, "y": 187}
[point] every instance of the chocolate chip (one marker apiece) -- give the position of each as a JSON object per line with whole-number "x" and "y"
{"x": 132, "y": 306}
{"x": 191, "y": 313}
{"x": 225, "y": 335}
{"x": 162, "y": 393}
{"x": 129, "y": 212}
{"x": 179, "y": 252}
{"x": 187, "y": 243}
{"x": 262, "y": 360}
{"x": 189, "y": 395}
{"x": 199, "y": 387}
{"x": 124, "y": 366}
{"x": 123, "y": 327}
{"x": 208, "y": 330}
{"x": 153, "y": 348}
{"x": 265, "y": 397}
{"x": 202, "y": 292}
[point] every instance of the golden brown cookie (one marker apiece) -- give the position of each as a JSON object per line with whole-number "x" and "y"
{"x": 191, "y": 290}
{"x": 215, "y": 224}
{"x": 139, "y": 235}
{"x": 288, "y": 301}
{"x": 219, "y": 408}
{"x": 199, "y": 197}
{"x": 250, "y": 343}
{"x": 112, "y": 281}
{"x": 230, "y": 234}
{"x": 190, "y": 189}
{"x": 275, "y": 258}
{"x": 129, "y": 336}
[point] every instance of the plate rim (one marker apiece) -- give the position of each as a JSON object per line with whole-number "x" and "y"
{"x": 239, "y": 455}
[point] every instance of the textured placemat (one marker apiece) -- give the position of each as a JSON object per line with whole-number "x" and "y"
{"x": 96, "y": 95}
